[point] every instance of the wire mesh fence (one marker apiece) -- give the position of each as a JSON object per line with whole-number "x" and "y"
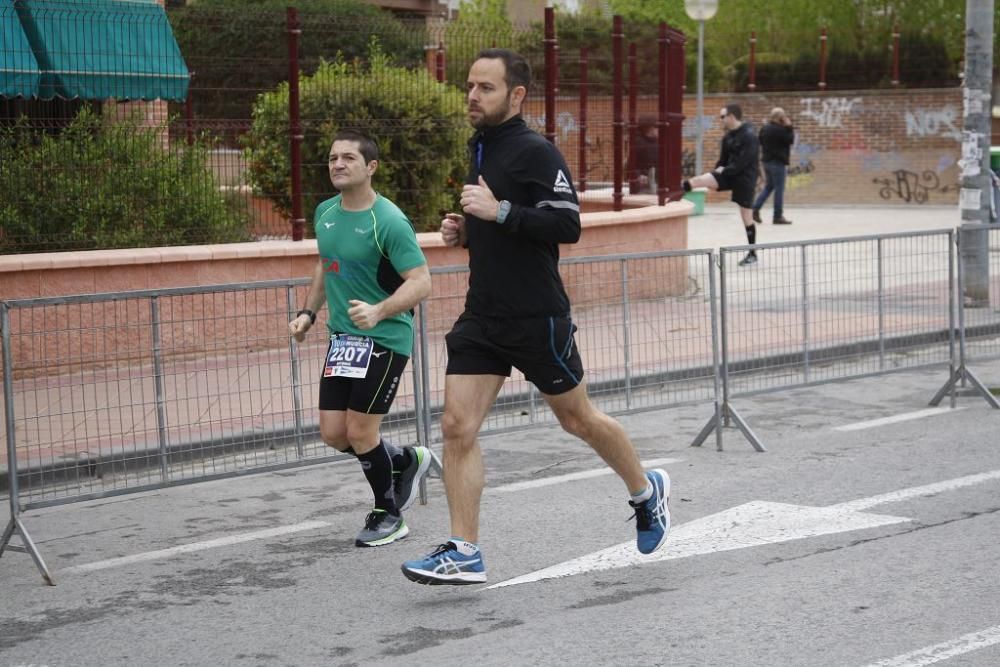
{"x": 111, "y": 393}
{"x": 145, "y": 389}
{"x": 825, "y": 310}
{"x": 979, "y": 257}
{"x": 644, "y": 333}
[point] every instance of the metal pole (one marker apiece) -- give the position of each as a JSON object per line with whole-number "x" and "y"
{"x": 627, "y": 340}
{"x": 293, "y": 354}
{"x": 895, "y": 55}
{"x": 618, "y": 121}
{"x": 582, "y": 145}
{"x": 550, "y": 74}
{"x": 189, "y": 112}
{"x": 662, "y": 120}
{"x": 805, "y": 318}
{"x": 974, "y": 197}
{"x": 701, "y": 94}
{"x": 881, "y": 306}
{"x": 752, "y": 84}
{"x": 8, "y": 404}
{"x": 159, "y": 393}
{"x": 822, "y": 59}
{"x": 295, "y": 135}
{"x": 712, "y": 294}
{"x": 633, "y": 117}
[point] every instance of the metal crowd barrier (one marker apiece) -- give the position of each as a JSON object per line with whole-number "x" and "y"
{"x": 978, "y": 302}
{"x": 113, "y": 393}
{"x": 645, "y": 332}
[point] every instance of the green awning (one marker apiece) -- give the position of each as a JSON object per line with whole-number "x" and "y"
{"x": 100, "y": 49}
{"x": 18, "y": 69}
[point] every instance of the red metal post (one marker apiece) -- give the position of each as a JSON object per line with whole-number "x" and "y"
{"x": 671, "y": 175}
{"x": 895, "y": 55}
{"x": 550, "y": 74}
{"x": 661, "y": 121}
{"x": 822, "y": 59}
{"x": 582, "y": 146}
{"x": 294, "y": 124}
{"x": 633, "y": 117}
{"x": 618, "y": 119}
{"x": 753, "y": 61}
{"x": 439, "y": 62}
{"x": 189, "y": 112}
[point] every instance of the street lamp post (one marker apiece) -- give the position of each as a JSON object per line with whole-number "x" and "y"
{"x": 700, "y": 11}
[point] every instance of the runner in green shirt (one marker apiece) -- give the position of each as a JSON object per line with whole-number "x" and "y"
{"x": 370, "y": 274}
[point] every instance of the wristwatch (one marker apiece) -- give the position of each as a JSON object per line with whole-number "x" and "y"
{"x": 306, "y": 311}
{"x": 503, "y": 210}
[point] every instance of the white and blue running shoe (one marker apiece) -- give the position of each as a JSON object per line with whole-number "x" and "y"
{"x": 446, "y": 565}
{"x": 652, "y": 517}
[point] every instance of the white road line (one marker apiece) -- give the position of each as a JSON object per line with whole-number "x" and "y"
{"x": 895, "y": 419}
{"x": 571, "y": 477}
{"x": 945, "y": 650}
{"x": 197, "y": 546}
{"x": 862, "y": 504}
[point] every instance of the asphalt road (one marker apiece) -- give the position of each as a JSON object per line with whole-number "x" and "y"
{"x": 802, "y": 555}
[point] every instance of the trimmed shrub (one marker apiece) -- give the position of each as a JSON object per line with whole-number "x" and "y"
{"x": 418, "y": 123}
{"x": 97, "y": 185}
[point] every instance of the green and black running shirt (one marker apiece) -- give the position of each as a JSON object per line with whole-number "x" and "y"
{"x": 363, "y": 255}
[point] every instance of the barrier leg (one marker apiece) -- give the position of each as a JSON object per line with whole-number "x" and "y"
{"x": 26, "y": 545}
{"x": 962, "y": 374}
{"x": 715, "y": 424}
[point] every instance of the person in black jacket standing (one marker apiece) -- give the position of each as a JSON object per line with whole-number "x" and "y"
{"x": 776, "y": 139}
{"x": 518, "y": 205}
{"x": 736, "y": 170}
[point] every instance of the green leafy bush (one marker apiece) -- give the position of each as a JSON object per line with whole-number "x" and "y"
{"x": 237, "y": 48}
{"x": 418, "y": 123}
{"x": 99, "y": 185}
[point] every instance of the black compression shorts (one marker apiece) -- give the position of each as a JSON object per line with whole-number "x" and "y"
{"x": 543, "y": 348}
{"x": 372, "y": 394}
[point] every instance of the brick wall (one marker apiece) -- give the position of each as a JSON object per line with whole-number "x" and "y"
{"x": 860, "y": 147}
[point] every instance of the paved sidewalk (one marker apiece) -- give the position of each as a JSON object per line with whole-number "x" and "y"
{"x": 721, "y": 225}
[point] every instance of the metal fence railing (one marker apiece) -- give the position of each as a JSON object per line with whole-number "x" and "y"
{"x": 978, "y": 309}
{"x": 112, "y": 393}
{"x": 644, "y": 331}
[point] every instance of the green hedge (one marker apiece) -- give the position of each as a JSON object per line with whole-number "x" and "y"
{"x": 98, "y": 185}
{"x": 923, "y": 62}
{"x": 237, "y": 48}
{"x": 418, "y": 123}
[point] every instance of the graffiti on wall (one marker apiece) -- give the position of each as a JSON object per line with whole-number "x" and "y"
{"x": 911, "y": 187}
{"x": 933, "y": 123}
{"x": 830, "y": 111}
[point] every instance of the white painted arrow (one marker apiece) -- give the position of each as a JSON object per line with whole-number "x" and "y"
{"x": 753, "y": 524}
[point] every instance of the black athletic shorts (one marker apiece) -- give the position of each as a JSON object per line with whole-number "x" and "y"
{"x": 372, "y": 394}
{"x": 542, "y": 348}
{"x": 742, "y": 187}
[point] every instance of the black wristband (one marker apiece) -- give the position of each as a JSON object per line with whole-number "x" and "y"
{"x": 311, "y": 314}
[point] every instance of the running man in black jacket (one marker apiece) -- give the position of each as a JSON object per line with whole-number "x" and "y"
{"x": 519, "y": 204}
{"x": 736, "y": 170}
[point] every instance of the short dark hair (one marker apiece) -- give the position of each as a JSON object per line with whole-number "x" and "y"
{"x": 517, "y": 71}
{"x": 736, "y": 110}
{"x": 367, "y": 145}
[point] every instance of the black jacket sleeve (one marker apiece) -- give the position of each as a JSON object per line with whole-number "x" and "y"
{"x": 547, "y": 209}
